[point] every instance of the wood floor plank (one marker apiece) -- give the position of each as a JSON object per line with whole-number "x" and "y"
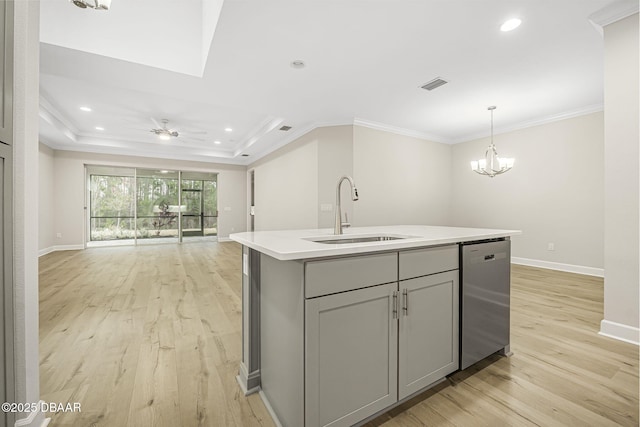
{"x": 151, "y": 336}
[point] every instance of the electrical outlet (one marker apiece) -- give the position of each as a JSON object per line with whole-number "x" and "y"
{"x": 59, "y": 235}
{"x": 227, "y": 208}
{"x": 326, "y": 207}
{"x": 551, "y": 247}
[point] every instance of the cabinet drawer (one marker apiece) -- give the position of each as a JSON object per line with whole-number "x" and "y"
{"x": 421, "y": 262}
{"x": 348, "y": 273}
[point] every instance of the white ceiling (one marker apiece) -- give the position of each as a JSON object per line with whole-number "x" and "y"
{"x": 169, "y": 34}
{"x": 365, "y": 63}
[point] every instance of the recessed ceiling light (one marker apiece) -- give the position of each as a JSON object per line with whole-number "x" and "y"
{"x": 87, "y": 109}
{"x": 297, "y": 64}
{"x": 217, "y": 142}
{"x": 99, "y": 128}
{"x": 511, "y": 24}
{"x": 228, "y": 130}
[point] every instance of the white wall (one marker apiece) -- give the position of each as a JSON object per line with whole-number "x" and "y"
{"x": 69, "y": 175}
{"x": 46, "y": 200}
{"x": 554, "y": 193}
{"x": 286, "y": 186}
{"x": 335, "y": 159}
{"x": 621, "y": 254}
{"x": 401, "y": 179}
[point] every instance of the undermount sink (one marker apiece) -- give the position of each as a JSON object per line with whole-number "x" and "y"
{"x": 332, "y": 240}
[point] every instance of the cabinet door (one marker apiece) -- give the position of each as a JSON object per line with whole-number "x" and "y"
{"x": 428, "y": 334}
{"x": 351, "y": 351}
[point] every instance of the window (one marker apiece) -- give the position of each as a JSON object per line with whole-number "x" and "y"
{"x": 151, "y": 204}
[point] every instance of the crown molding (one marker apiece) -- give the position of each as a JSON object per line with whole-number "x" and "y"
{"x": 613, "y": 12}
{"x": 123, "y": 151}
{"x": 266, "y": 126}
{"x": 48, "y": 106}
{"x": 50, "y": 114}
{"x": 535, "y": 122}
{"x": 79, "y": 143}
{"x": 400, "y": 131}
{"x": 299, "y": 133}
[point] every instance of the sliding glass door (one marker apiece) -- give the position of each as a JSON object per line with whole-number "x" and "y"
{"x": 148, "y": 205}
{"x": 111, "y": 204}
{"x": 200, "y": 202}
{"x": 157, "y": 204}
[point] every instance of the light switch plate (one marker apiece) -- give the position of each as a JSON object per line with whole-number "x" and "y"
{"x": 245, "y": 264}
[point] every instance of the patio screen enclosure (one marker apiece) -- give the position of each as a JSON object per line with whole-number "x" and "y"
{"x": 127, "y": 203}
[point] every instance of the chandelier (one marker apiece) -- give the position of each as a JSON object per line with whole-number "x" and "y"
{"x": 492, "y": 165}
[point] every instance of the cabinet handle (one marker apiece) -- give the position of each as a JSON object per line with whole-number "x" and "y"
{"x": 405, "y": 302}
{"x": 395, "y": 304}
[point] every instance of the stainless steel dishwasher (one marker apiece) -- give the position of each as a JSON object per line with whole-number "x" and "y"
{"x": 484, "y": 299}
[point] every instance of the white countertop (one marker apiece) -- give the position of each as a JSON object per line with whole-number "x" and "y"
{"x": 287, "y": 245}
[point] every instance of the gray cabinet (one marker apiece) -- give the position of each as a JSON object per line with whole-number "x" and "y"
{"x": 368, "y": 348}
{"x": 351, "y": 349}
{"x": 428, "y": 331}
{"x": 334, "y": 275}
{"x": 425, "y": 261}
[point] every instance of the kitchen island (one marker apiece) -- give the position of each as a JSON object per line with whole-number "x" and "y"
{"x": 337, "y": 329}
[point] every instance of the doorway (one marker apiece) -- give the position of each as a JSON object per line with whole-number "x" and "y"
{"x": 192, "y": 218}
{"x": 199, "y": 204}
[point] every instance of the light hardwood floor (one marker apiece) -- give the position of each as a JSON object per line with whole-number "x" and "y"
{"x": 151, "y": 336}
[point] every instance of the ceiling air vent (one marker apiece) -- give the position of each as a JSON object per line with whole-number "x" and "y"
{"x": 285, "y": 128}
{"x": 435, "y": 83}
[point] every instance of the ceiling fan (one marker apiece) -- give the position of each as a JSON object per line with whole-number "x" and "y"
{"x": 163, "y": 131}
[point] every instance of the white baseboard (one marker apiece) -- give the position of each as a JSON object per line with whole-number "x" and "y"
{"x": 243, "y": 385}
{"x": 270, "y": 410}
{"x": 620, "y": 332}
{"x": 35, "y": 419}
{"x": 45, "y": 251}
{"x": 570, "y": 268}
{"x": 56, "y": 248}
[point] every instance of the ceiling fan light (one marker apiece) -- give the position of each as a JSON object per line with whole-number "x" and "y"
{"x": 103, "y": 4}
{"x": 80, "y": 3}
{"x": 164, "y": 136}
{"x": 92, "y": 4}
